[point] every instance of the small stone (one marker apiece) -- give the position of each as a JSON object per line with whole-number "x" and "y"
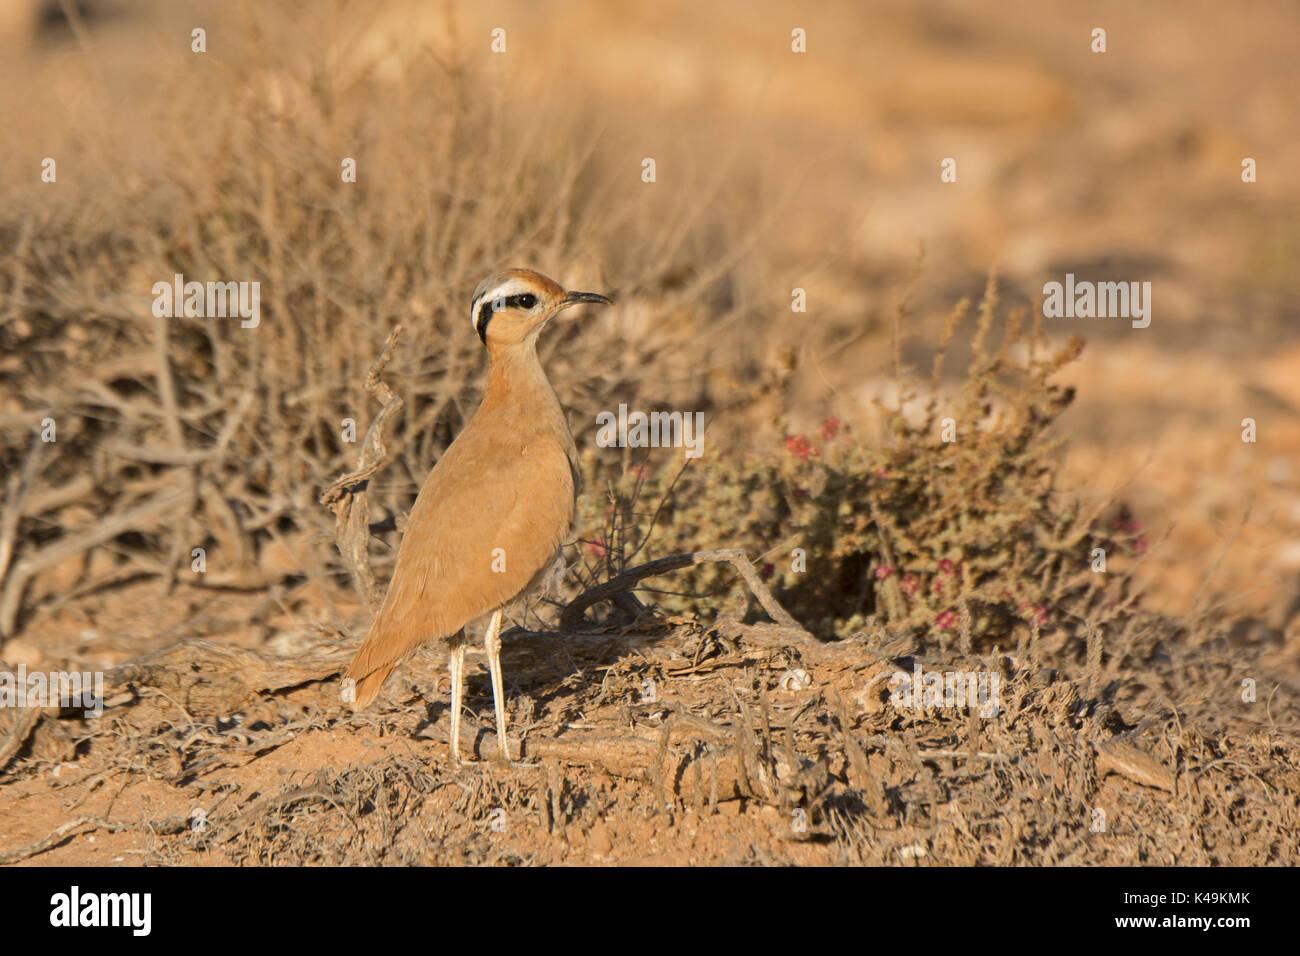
{"x": 599, "y": 842}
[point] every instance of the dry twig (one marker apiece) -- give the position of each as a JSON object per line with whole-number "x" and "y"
{"x": 346, "y": 497}
{"x": 572, "y": 618}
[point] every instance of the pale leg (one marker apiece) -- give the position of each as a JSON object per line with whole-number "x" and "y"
{"x": 456, "y": 665}
{"x": 492, "y": 644}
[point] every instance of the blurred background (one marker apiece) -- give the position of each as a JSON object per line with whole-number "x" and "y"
{"x": 775, "y": 170}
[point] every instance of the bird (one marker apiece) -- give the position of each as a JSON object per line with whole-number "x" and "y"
{"x": 493, "y": 514}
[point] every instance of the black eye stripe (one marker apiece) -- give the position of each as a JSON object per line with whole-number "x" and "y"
{"x": 484, "y": 316}
{"x": 525, "y": 300}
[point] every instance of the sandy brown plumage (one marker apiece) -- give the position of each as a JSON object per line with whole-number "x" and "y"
{"x": 507, "y": 482}
{"x": 444, "y": 577}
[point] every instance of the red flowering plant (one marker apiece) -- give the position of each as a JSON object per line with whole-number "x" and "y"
{"x": 910, "y": 530}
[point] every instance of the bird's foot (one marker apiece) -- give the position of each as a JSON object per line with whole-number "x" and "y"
{"x": 519, "y": 764}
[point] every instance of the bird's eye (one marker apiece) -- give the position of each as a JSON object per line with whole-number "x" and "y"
{"x": 528, "y": 300}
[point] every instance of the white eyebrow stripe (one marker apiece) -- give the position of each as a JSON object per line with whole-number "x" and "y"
{"x": 503, "y": 291}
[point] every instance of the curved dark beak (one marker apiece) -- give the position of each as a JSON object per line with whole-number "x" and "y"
{"x": 576, "y": 298}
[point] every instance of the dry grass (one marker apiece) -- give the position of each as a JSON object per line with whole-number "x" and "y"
{"x": 726, "y": 753}
{"x": 199, "y": 433}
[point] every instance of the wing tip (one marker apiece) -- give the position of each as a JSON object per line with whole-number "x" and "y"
{"x": 365, "y": 687}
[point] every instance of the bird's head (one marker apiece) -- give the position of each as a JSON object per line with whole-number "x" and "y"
{"x": 513, "y": 306}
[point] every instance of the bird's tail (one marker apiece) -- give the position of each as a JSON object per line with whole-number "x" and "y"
{"x": 369, "y": 669}
{"x": 366, "y": 684}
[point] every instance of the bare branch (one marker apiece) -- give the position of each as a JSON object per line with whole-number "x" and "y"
{"x": 346, "y": 497}
{"x": 572, "y": 618}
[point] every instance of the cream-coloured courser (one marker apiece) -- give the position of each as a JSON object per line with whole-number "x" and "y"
{"x": 496, "y": 508}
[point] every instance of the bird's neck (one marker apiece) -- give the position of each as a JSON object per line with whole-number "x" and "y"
{"x": 518, "y": 386}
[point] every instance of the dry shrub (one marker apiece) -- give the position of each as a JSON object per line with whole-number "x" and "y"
{"x": 967, "y": 537}
{"x": 243, "y": 427}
